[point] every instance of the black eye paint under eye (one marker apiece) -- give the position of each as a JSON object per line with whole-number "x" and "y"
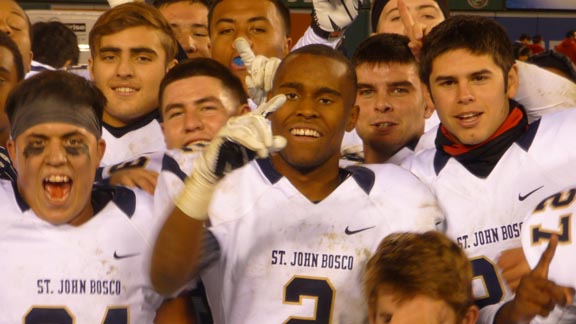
{"x": 77, "y": 149}
{"x": 30, "y": 149}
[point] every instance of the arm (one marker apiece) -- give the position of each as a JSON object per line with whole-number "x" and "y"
{"x": 180, "y": 246}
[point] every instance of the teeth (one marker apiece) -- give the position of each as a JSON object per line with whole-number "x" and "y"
{"x": 57, "y": 178}
{"x": 304, "y": 132}
{"x": 385, "y": 124}
{"x": 125, "y": 90}
{"x": 469, "y": 115}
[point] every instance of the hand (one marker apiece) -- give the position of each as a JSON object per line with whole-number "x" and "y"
{"x": 514, "y": 266}
{"x": 238, "y": 142}
{"x": 414, "y": 31}
{"x": 536, "y": 295}
{"x": 261, "y": 69}
{"x": 135, "y": 177}
{"x": 331, "y": 17}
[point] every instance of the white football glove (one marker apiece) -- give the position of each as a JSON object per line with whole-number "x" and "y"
{"x": 331, "y": 17}
{"x": 114, "y": 3}
{"x": 239, "y": 141}
{"x": 261, "y": 69}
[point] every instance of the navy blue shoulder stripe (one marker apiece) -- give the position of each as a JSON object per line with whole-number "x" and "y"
{"x": 268, "y": 170}
{"x": 440, "y": 160}
{"x": 363, "y": 176}
{"x": 526, "y": 140}
{"x": 169, "y": 164}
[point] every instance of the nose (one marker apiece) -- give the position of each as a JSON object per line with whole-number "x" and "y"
{"x": 465, "y": 96}
{"x": 382, "y": 103}
{"x": 55, "y": 154}
{"x": 307, "y": 108}
{"x": 4, "y": 27}
{"x": 125, "y": 68}
{"x": 193, "y": 121}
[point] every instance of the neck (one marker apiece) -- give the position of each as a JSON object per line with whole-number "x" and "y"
{"x": 315, "y": 183}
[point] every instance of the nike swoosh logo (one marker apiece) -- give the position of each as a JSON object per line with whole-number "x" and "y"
{"x": 522, "y": 198}
{"x": 124, "y": 256}
{"x": 351, "y": 232}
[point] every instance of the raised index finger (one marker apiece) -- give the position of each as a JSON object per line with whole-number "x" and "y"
{"x": 271, "y": 106}
{"x": 541, "y": 269}
{"x": 246, "y": 53}
{"x": 406, "y": 19}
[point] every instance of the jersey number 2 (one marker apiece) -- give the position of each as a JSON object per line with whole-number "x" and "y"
{"x": 306, "y": 287}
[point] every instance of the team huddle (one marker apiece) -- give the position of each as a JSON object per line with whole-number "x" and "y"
{"x": 427, "y": 179}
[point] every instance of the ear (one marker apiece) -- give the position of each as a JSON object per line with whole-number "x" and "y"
{"x": 11, "y": 147}
{"x": 512, "y": 81}
{"x": 100, "y": 149}
{"x": 430, "y": 107}
{"x": 287, "y": 45}
{"x": 352, "y": 118}
{"x": 471, "y": 315}
{"x": 91, "y": 67}
{"x": 171, "y": 64}
{"x": 243, "y": 109}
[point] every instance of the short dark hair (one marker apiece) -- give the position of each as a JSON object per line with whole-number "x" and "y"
{"x": 202, "y": 66}
{"x": 60, "y": 85}
{"x": 479, "y": 35}
{"x": 54, "y": 44}
{"x": 327, "y": 52}
{"x": 7, "y": 42}
{"x": 555, "y": 60}
{"x": 281, "y": 7}
{"x": 570, "y": 33}
{"x": 383, "y": 49}
{"x": 161, "y": 3}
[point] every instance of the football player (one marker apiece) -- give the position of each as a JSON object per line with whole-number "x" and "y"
{"x": 70, "y": 251}
{"x": 281, "y": 237}
{"x": 132, "y": 47}
{"x": 489, "y": 166}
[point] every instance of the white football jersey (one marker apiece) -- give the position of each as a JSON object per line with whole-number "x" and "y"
{"x": 554, "y": 215}
{"x": 132, "y": 142}
{"x": 485, "y": 215}
{"x": 97, "y": 272}
{"x": 285, "y": 258}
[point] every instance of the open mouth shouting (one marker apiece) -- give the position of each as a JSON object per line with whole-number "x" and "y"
{"x": 305, "y": 133}
{"x": 57, "y": 187}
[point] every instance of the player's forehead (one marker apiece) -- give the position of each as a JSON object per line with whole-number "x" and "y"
{"x": 242, "y": 11}
{"x": 392, "y": 5}
{"x": 54, "y": 130}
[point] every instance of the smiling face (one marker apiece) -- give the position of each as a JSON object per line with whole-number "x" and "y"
{"x": 189, "y": 21}
{"x": 128, "y": 67}
{"x": 56, "y": 165}
{"x": 258, "y": 21}
{"x": 14, "y": 23}
{"x": 319, "y": 109}
{"x": 470, "y": 94}
{"x": 392, "y": 108}
{"x": 194, "y": 109}
{"x": 426, "y": 12}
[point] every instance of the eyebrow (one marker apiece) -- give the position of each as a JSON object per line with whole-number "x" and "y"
{"x": 64, "y": 136}
{"x": 134, "y": 50}
{"x": 251, "y": 20}
{"x": 196, "y": 102}
{"x": 448, "y": 77}
{"x": 319, "y": 91}
{"x": 401, "y": 84}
